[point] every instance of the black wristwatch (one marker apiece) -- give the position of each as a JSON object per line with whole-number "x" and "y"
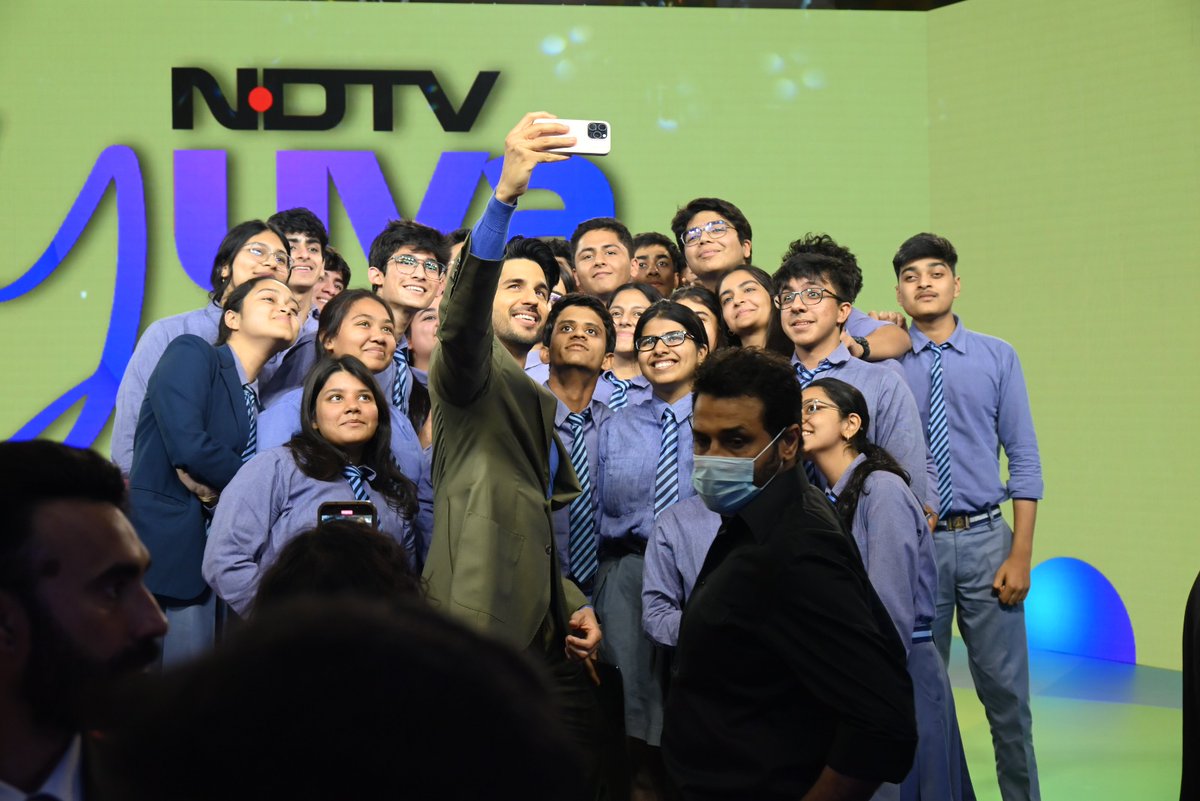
{"x": 866, "y": 346}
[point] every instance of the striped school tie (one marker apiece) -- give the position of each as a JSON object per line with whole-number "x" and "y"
{"x": 666, "y": 475}
{"x": 354, "y": 475}
{"x": 401, "y": 381}
{"x": 939, "y": 433}
{"x": 582, "y": 540}
{"x": 252, "y": 416}
{"x": 806, "y": 376}
{"x": 620, "y": 394}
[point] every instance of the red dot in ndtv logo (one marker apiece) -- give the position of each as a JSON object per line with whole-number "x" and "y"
{"x": 261, "y": 98}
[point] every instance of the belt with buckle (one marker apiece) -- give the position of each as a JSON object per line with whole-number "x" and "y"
{"x": 964, "y": 520}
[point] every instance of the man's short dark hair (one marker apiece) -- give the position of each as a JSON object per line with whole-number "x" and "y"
{"x": 825, "y": 245}
{"x": 457, "y": 236}
{"x": 520, "y": 247}
{"x": 406, "y": 233}
{"x": 561, "y": 248}
{"x": 731, "y": 214}
{"x": 844, "y": 278}
{"x": 752, "y": 373}
{"x": 925, "y": 246}
{"x": 655, "y": 238}
{"x": 334, "y": 262}
{"x": 602, "y": 224}
{"x": 588, "y": 302}
{"x": 36, "y": 472}
{"x": 318, "y": 699}
{"x": 340, "y": 558}
{"x": 301, "y": 221}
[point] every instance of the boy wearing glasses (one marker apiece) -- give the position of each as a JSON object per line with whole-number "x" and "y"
{"x": 814, "y": 295}
{"x": 714, "y": 236}
{"x": 973, "y": 400}
{"x": 406, "y": 265}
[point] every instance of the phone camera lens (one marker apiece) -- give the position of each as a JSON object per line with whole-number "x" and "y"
{"x": 597, "y": 130}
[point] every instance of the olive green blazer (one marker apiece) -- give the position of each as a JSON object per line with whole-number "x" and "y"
{"x": 492, "y": 562}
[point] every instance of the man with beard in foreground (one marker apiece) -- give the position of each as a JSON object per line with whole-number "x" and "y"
{"x": 75, "y": 616}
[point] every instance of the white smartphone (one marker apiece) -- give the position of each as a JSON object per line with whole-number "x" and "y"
{"x": 592, "y": 137}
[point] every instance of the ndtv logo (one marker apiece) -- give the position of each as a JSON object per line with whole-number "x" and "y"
{"x": 267, "y": 97}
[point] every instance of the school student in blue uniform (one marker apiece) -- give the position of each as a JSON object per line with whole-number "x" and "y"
{"x": 197, "y": 426}
{"x": 645, "y": 468}
{"x": 577, "y": 344}
{"x": 875, "y": 502}
{"x": 358, "y": 323}
{"x": 250, "y": 249}
{"x": 342, "y": 453}
{"x": 814, "y": 295}
{"x": 973, "y": 402}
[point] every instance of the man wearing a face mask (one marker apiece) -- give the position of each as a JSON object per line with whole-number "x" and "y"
{"x": 790, "y": 678}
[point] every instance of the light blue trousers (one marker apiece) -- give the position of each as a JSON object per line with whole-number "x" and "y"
{"x": 996, "y": 647}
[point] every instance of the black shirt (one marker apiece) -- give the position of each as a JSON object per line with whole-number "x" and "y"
{"x": 787, "y": 660}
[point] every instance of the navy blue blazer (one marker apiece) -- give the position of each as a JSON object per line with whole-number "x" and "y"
{"x": 193, "y": 418}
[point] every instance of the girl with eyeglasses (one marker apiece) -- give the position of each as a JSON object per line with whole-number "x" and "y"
{"x": 197, "y": 426}
{"x": 341, "y": 453}
{"x": 645, "y": 467}
{"x": 871, "y": 493}
{"x": 251, "y": 249}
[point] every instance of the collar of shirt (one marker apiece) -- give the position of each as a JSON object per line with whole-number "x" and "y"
{"x": 241, "y": 371}
{"x": 765, "y": 509}
{"x": 845, "y": 479}
{"x": 561, "y": 411}
{"x": 682, "y": 408}
{"x": 838, "y": 355}
{"x": 957, "y": 340}
{"x": 64, "y": 783}
{"x": 214, "y": 312}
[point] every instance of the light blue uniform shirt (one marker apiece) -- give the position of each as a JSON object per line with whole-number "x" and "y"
{"x": 267, "y": 504}
{"x": 895, "y": 423}
{"x": 987, "y": 407}
{"x": 682, "y": 536}
{"x": 629, "y": 446}
{"x": 591, "y": 436}
{"x": 896, "y": 546}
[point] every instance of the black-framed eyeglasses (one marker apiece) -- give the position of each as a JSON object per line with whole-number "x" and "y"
{"x": 407, "y": 265}
{"x": 267, "y": 256}
{"x": 809, "y": 297}
{"x": 715, "y": 228}
{"x": 672, "y": 339}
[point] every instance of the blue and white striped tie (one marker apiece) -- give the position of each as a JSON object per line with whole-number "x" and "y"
{"x": 582, "y": 541}
{"x": 666, "y": 476}
{"x": 252, "y": 416}
{"x": 620, "y": 394}
{"x": 400, "y": 383}
{"x": 806, "y": 376}
{"x": 354, "y": 475}
{"x": 939, "y": 434}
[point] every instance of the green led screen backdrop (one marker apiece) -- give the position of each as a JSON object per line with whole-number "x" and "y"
{"x": 1056, "y": 143}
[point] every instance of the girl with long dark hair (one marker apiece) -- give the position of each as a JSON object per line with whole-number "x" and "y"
{"x": 748, "y": 308}
{"x": 342, "y": 453}
{"x": 871, "y": 493}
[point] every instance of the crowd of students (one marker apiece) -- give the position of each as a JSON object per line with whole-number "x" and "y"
{"x": 291, "y": 387}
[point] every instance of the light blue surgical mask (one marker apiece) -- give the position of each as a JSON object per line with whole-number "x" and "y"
{"x": 726, "y": 483}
